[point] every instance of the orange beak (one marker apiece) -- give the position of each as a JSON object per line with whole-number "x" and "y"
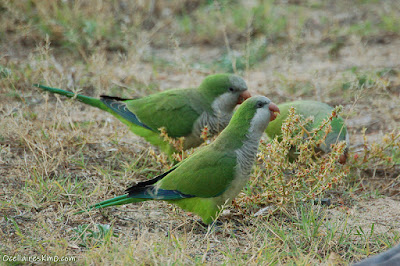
{"x": 274, "y": 109}
{"x": 243, "y": 96}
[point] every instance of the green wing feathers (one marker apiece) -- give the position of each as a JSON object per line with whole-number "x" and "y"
{"x": 176, "y": 110}
{"x": 205, "y": 174}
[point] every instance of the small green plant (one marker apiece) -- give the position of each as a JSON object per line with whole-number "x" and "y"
{"x": 365, "y": 236}
{"x": 257, "y": 51}
{"x": 310, "y": 221}
{"x": 90, "y": 238}
{"x": 390, "y": 22}
{"x": 4, "y": 72}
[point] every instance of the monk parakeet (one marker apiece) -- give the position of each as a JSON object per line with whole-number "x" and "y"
{"x": 213, "y": 175}
{"x": 182, "y": 112}
{"x": 319, "y": 111}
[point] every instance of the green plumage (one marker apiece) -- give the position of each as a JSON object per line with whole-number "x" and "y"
{"x": 172, "y": 109}
{"x": 176, "y": 110}
{"x": 238, "y": 128}
{"x": 207, "y": 179}
{"x": 319, "y": 111}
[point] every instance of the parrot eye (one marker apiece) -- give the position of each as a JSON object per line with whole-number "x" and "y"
{"x": 231, "y": 89}
{"x": 260, "y": 104}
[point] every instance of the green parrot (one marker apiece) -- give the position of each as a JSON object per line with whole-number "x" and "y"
{"x": 319, "y": 111}
{"x": 213, "y": 175}
{"x": 182, "y": 112}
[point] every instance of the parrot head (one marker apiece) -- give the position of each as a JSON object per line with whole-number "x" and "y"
{"x": 265, "y": 111}
{"x": 225, "y": 91}
{"x": 258, "y": 111}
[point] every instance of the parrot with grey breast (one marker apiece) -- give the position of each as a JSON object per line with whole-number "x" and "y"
{"x": 182, "y": 112}
{"x": 214, "y": 174}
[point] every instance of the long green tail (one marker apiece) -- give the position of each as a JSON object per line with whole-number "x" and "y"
{"x": 85, "y": 99}
{"x": 120, "y": 200}
{"x": 149, "y": 135}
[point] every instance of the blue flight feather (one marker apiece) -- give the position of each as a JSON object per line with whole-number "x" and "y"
{"x": 159, "y": 194}
{"x": 118, "y": 106}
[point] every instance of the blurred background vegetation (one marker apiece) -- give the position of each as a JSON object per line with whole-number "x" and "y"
{"x": 246, "y": 31}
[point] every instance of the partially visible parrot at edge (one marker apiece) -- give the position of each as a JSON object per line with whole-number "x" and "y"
{"x": 182, "y": 112}
{"x": 390, "y": 257}
{"x": 214, "y": 174}
{"x": 319, "y": 111}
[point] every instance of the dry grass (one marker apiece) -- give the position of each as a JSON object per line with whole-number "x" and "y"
{"x": 58, "y": 156}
